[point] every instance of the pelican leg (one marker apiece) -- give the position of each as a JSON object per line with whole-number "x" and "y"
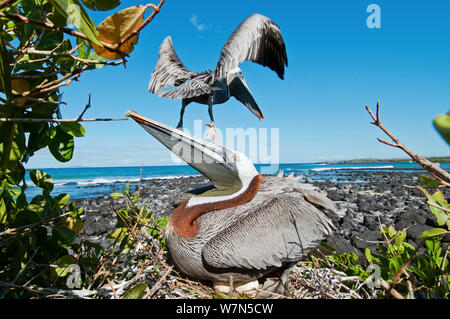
{"x": 210, "y": 112}
{"x": 211, "y": 127}
{"x": 184, "y": 103}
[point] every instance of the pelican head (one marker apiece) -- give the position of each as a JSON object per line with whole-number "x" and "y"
{"x": 231, "y": 172}
{"x": 239, "y": 89}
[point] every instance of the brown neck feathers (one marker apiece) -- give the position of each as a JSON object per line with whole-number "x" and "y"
{"x": 185, "y": 219}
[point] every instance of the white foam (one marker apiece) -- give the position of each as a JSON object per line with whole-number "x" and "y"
{"x": 110, "y": 180}
{"x": 351, "y": 167}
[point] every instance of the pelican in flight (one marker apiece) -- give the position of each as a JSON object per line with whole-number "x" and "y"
{"x": 257, "y": 39}
{"x": 244, "y": 225}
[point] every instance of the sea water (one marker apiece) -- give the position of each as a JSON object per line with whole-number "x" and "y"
{"x": 84, "y": 182}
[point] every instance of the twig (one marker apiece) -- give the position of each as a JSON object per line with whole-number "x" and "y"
{"x": 76, "y": 292}
{"x": 58, "y": 83}
{"x": 438, "y": 206}
{"x": 272, "y": 293}
{"x": 391, "y": 290}
{"x": 304, "y": 284}
{"x": 433, "y": 168}
{"x": 49, "y": 25}
{"x": 230, "y": 292}
{"x": 112, "y": 288}
{"x": 158, "y": 283}
{"x": 4, "y": 3}
{"x": 410, "y": 290}
{"x": 62, "y": 55}
{"x": 22, "y": 229}
{"x": 33, "y": 120}
{"x": 88, "y": 105}
{"x": 156, "y": 10}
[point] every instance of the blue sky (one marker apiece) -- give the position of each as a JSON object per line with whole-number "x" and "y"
{"x": 337, "y": 65}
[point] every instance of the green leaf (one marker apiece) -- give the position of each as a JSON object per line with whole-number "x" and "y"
{"x": 75, "y": 14}
{"x": 14, "y": 174}
{"x": 84, "y": 48}
{"x": 116, "y": 195}
{"x": 391, "y": 231}
{"x": 434, "y": 232}
{"x": 61, "y": 145}
{"x": 429, "y": 181}
{"x": 400, "y": 238}
{"x": 62, "y": 199}
{"x": 64, "y": 261}
{"x": 442, "y": 125}
{"x": 368, "y": 255}
{"x": 441, "y": 216}
{"x": 2, "y": 211}
{"x": 136, "y": 292}
{"x": 437, "y": 199}
{"x": 5, "y": 71}
{"x": 64, "y": 235}
{"x": 101, "y": 5}
{"x": 39, "y": 138}
{"x": 42, "y": 179}
{"x": 12, "y": 143}
{"x": 116, "y": 233}
{"x": 73, "y": 128}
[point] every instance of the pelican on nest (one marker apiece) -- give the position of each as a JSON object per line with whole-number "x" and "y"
{"x": 244, "y": 225}
{"x": 257, "y": 39}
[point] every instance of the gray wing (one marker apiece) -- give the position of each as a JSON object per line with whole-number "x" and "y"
{"x": 199, "y": 85}
{"x": 169, "y": 70}
{"x": 283, "y": 229}
{"x": 257, "y": 39}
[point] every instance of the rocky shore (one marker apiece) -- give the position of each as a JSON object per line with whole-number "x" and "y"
{"x": 376, "y": 198}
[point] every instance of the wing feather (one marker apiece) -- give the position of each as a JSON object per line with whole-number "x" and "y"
{"x": 280, "y": 230}
{"x": 169, "y": 70}
{"x": 199, "y": 85}
{"x": 257, "y": 39}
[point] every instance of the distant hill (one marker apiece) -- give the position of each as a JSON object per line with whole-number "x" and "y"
{"x": 443, "y": 159}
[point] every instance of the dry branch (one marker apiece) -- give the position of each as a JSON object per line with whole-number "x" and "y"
{"x": 391, "y": 290}
{"x": 160, "y": 281}
{"x": 433, "y": 168}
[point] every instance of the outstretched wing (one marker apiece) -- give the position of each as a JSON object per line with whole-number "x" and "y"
{"x": 169, "y": 70}
{"x": 199, "y": 85}
{"x": 282, "y": 229}
{"x": 257, "y": 39}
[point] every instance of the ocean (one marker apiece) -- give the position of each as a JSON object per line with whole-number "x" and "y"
{"x": 85, "y": 182}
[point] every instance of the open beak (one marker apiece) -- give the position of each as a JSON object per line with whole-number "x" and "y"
{"x": 251, "y": 104}
{"x": 213, "y": 161}
{"x": 239, "y": 89}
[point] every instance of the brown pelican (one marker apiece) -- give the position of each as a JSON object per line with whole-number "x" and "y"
{"x": 244, "y": 225}
{"x": 257, "y": 39}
